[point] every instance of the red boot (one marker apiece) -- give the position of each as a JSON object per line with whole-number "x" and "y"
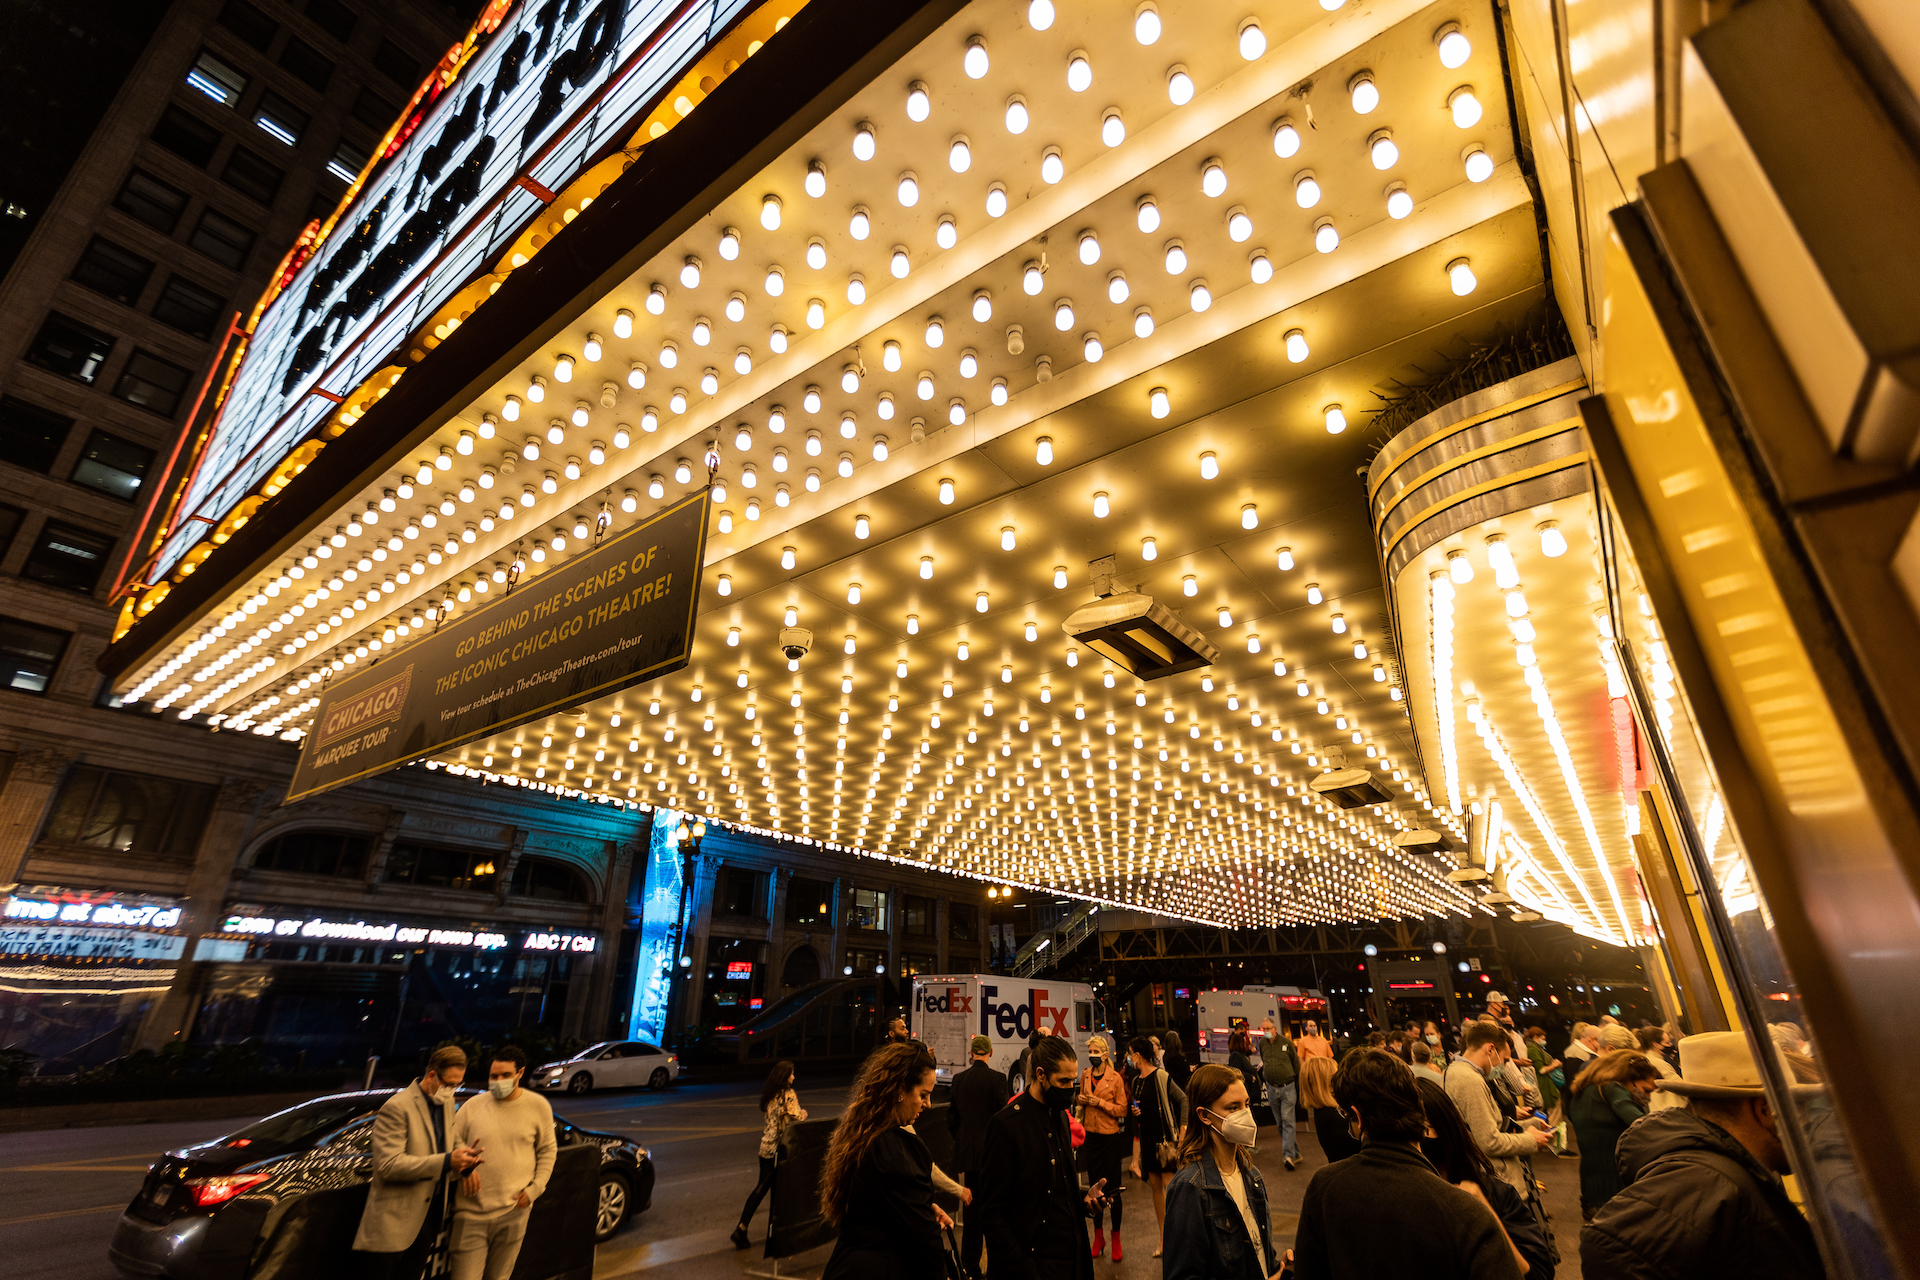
{"x": 1099, "y": 1242}
{"x": 1116, "y": 1246}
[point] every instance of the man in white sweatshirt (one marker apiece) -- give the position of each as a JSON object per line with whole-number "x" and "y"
{"x": 512, "y": 1128}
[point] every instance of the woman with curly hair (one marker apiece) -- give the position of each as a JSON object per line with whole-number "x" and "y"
{"x": 877, "y": 1184}
{"x": 1610, "y": 1093}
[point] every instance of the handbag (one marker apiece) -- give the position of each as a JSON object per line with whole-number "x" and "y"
{"x": 1164, "y": 1152}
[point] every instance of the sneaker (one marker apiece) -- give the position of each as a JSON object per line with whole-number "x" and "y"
{"x": 1116, "y": 1246}
{"x": 1099, "y": 1242}
{"x": 1289, "y": 1163}
{"x": 739, "y": 1237}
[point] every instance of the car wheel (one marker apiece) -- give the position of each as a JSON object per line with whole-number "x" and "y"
{"x": 581, "y": 1083}
{"x": 659, "y": 1079}
{"x": 610, "y": 1212}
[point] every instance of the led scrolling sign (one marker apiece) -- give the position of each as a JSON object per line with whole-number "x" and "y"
{"x": 445, "y": 205}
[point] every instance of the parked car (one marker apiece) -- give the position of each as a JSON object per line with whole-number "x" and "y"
{"x": 613, "y": 1064}
{"x": 288, "y": 1189}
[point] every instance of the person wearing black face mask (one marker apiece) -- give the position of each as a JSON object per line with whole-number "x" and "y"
{"x": 1030, "y": 1200}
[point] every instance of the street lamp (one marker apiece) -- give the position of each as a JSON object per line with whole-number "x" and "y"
{"x": 689, "y": 839}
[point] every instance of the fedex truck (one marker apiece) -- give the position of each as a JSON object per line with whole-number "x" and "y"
{"x": 948, "y": 1012}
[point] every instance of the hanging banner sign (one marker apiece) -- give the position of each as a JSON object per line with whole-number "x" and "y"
{"x": 613, "y": 617}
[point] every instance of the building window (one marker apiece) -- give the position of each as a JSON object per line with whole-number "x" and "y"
{"x": 348, "y": 160}
{"x": 187, "y": 136}
{"x": 217, "y": 78}
{"x": 333, "y": 18}
{"x": 152, "y": 383}
{"x": 113, "y": 466}
{"x": 547, "y": 879}
{"x": 864, "y": 961}
{"x": 810, "y": 902}
{"x": 11, "y": 519}
{"x": 251, "y": 176}
{"x": 396, "y": 64}
{"x": 960, "y": 921}
{"x": 316, "y": 853}
{"x": 912, "y": 965}
{"x": 373, "y": 110}
{"x": 68, "y": 556}
{"x": 188, "y": 308}
{"x": 117, "y": 273}
{"x": 308, "y": 64}
{"x": 29, "y": 435}
{"x": 222, "y": 239}
{"x": 916, "y": 916}
{"x": 29, "y": 654}
{"x": 867, "y": 909}
{"x": 281, "y": 120}
{"x": 129, "y": 812}
{"x": 249, "y": 23}
{"x": 146, "y": 198}
{"x": 430, "y": 866}
{"x": 68, "y": 347}
{"x": 737, "y": 891}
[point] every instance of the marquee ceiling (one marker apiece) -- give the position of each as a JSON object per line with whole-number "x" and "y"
{"x": 1019, "y": 761}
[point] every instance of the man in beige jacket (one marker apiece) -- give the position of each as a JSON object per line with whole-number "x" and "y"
{"x": 411, "y": 1163}
{"x": 512, "y": 1128}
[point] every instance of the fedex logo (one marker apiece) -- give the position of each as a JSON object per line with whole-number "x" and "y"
{"x": 1017, "y": 1021}
{"x": 942, "y": 1000}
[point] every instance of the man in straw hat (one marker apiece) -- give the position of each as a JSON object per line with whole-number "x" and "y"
{"x": 1703, "y": 1197}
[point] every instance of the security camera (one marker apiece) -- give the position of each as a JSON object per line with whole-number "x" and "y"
{"x": 794, "y": 642}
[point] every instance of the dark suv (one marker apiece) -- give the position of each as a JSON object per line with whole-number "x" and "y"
{"x": 283, "y": 1197}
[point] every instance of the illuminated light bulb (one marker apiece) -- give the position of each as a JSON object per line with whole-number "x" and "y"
{"x": 1339, "y": 624}
{"x": 1089, "y": 247}
{"x": 1460, "y": 276}
{"x": 1043, "y": 451}
{"x": 1052, "y": 166}
{"x": 879, "y": 448}
{"x": 563, "y": 369}
{"x": 956, "y": 411}
{"x": 636, "y": 375}
{"x": 1199, "y": 297}
{"x": 776, "y": 284}
{"x": 531, "y": 449}
{"x": 729, "y": 244}
{"x": 1249, "y": 517}
{"x": 859, "y": 223}
{"x": 923, "y": 387}
{"x": 1284, "y": 557}
{"x": 1146, "y": 24}
{"x": 669, "y": 355}
{"x": 1091, "y": 348}
{"x": 856, "y": 289}
{"x": 1363, "y": 93}
{"x": 909, "y": 190}
{"x": 864, "y": 142}
{"x": 975, "y": 60}
{"x": 690, "y": 273}
{"x": 683, "y": 472}
{"x": 1286, "y": 139}
{"x": 1017, "y": 116}
{"x": 1336, "y": 419}
{"x": 980, "y": 602}
{"x": 1176, "y": 257}
{"x": 816, "y": 313}
{"x": 959, "y": 157}
{"x": 1209, "y": 466}
{"x": 1465, "y": 107}
{"x": 817, "y": 254}
{"x": 936, "y": 331}
{"x": 1190, "y": 585}
{"x": 656, "y": 300}
{"x": 861, "y": 528}
{"x": 982, "y": 306}
{"x": 996, "y": 200}
{"x": 919, "y": 105}
{"x": 853, "y": 593}
{"x": 1326, "y": 238}
{"x": 1079, "y": 72}
{"x": 580, "y": 416}
{"x": 1158, "y": 402}
{"x": 1101, "y": 506}
{"x": 656, "y": 488}
{"x": 1179, "y": 85}
{"x": 850, "y": 379}
{"x": 787, "y": 557}
{"x": 1382, "y": 150}
{"x": 1213, "y": 179}
{"x": 510, "y": 410}
{"x": 709, "y": 381}
{"x": 536, "y": 389}
{"x": 1060, "y": 577}
{"x": 623, "y": 323}
{"x": 1149, "y": 549}
{"x": 1113, "y": 129}
{"x": 1296, "y": 342}
{"x": 926, "y": 566}
{"x": 1479, "y": 164}
{"x": 1459, "y": 568}
{"x": 1063, "y": 314}
{"x": 1454, "y": 46}
{"x": 1143, "y": 323}
{"x": 1253, "y": 41}
{"x": 1226, "y": 616}
{"x": 997, "y": 393}
{"x": 1399, "y": 201}
{"x": 1553, "y": 543}
{"x": 742, "y": 362}
{"x": 946, "y": 492}
{"x": 1040, "y": 14}
{"x": 1239, "y": 225}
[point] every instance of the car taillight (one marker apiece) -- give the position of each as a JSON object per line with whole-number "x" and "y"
{"x": 208, "y": 1192}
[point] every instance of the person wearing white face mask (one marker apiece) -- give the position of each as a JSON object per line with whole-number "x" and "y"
{"x": 1218, "y": 1227}
{"x": 513, "y": 1127}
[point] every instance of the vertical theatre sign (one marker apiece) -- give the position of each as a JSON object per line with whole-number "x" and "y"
{"x": 613, "y": 617}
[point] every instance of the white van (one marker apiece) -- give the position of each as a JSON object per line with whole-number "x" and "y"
{"x": 949, "y": 1011}
{"x": 1221, "y": 1013}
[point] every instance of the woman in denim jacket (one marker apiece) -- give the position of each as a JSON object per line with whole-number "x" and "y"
{"x": 1217, "y": 1221}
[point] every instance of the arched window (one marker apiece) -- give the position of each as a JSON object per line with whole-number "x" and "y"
{"x": 801, "y": 968}
{"x": 550, "y": 880}
{"x": 316, "y": 853}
